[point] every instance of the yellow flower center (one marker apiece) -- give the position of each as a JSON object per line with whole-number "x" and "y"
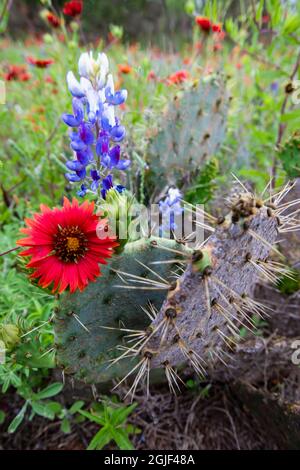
{"x": 72, "y": 243}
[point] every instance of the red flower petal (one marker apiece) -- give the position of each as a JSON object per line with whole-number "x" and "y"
{"x": 204, "y": 23}
{"x": 63, "y": 246}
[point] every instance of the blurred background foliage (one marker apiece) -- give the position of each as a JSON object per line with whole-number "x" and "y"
{"x": 148, "y": 21}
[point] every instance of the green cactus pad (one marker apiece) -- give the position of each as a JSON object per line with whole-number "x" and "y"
{"x": 190, "y": 132}
{"x": 86, "y": 354}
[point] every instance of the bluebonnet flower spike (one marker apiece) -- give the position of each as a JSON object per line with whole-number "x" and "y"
{"x": 95, "y": 128}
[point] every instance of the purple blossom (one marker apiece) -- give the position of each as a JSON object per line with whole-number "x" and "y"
{"x": 95, "y": 128}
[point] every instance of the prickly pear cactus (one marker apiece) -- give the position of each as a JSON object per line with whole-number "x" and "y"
{"x": 206, "y": 310}
{"x": 191, "y": 131}
{"x": 201, "y": 317}
{"x": 90, "y": 326}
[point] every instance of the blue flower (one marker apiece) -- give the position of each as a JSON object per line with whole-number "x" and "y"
{"x": 75, "y": 119}
{"x": 85, "y": 156}
{"x": 81, "y": 139}
{"x": 96, "y": 180}
{"x": 117, "y": 98}
{"x": 107, "y": 184}
{"x": 74, "y": 86}
{"x": 77, "y": 176}
{"x": 117, "y": 133}
{"x": 74, "y": 165}
{"x": 82, "y": 191}
{"x": 112, "y": 159}
{"x": 169, "y": 208}
{"x": 274, "y": 87}
{"x": 112, "y": 97}
{"x": 102, "y": 145}
{"x": 95, "y": 127}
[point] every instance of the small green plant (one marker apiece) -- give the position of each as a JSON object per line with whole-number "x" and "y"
{"x": 289, "y": 284}
{"x": 204, "y": 186}
{"x": 112, "y": 420}
{"x": 37, "y": 404}
{"x": 67, "y": 415}
{"x": 289, "y": 155}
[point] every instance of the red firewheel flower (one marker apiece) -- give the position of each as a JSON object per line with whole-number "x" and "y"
{"x": 178, "y": 77}
{"x": 66, "y": 245}
{"x": 17, "y": 72}
{"x": 53, "y": 20}
{"x": 216, "y": 28}
{"x": 124, "y": 68}
{"x": 73, "y": 8}
{"x": 40, "y": 63}
{"x": 204, "y": 23}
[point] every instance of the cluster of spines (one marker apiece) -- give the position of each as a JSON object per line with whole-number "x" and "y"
{"x": 234, "y": 308}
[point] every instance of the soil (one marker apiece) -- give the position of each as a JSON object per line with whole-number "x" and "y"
{"x": 186, "y": 422}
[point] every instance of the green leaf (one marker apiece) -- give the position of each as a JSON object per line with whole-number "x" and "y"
{"x": 2, "y": 417}
{"x": 191, "y": 384}
{"x": 289, "y": 155}
{"x": 100, "y": 439}
{"x": 50, "y": 391}
{"x": 290, "y": 116}
{"x": 121, "y": 439}
{"x": 76, "y": 407}
{"x": 259, "y": 10}
{"x": 65, "y": 426}
{"x": 41, "y": 409}
{"x": 18, "y": 419}
{"x": 55, "y": 407}
{"x": 289, "y": 284}
{"x": 94, "y": 418}
{"x": 131, "y": 429}
{"x": 292, "y": 24}
{"x": 274, "y": 7}
{"x": 120, "y": 415}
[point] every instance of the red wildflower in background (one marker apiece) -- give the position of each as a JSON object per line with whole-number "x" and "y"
{"x": 49, "y": 79}
{"x": 40, "y": 63}
{"x": 221, "y": 35}
{"x": 265, "y": 19}
{"x": 151, "y": 75}
{"x": 17, "y": 72}
{"x": 64, "y": 247}
{"x": 124, "y": 68}
{"x": 217, "y": 47}
{"x": 216, "y": 28}
{"x": 73, "y": 8}
{"x": 178, "y": 77}
{"x": 53, "y": 20}
{"x": 204, "y": 23}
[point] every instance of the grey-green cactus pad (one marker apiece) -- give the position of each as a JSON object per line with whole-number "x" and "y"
{"x": 191, "y": 130}
{"x": 86, "y": 354}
